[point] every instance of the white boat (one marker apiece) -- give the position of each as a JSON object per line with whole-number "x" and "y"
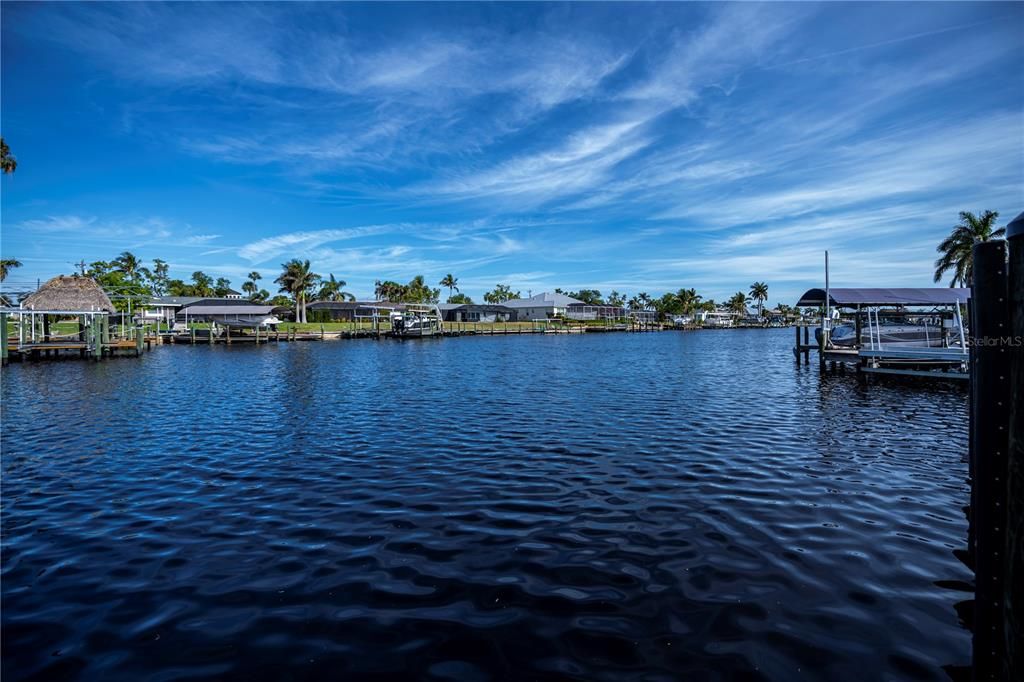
{"x": 416, "y": 321}
{"x": 898, "y": 335}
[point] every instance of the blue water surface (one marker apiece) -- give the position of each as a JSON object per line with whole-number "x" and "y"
{"x": 663, "y": 506}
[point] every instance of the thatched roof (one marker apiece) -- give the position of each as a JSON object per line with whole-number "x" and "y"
{"x": 72, "y": 293}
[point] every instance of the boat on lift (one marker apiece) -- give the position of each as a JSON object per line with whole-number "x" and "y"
{"x": 904, "y": 331}
{"x": 416, "y": 321}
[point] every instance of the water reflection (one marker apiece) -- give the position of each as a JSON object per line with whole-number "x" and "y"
{"x": 667, "y": 506}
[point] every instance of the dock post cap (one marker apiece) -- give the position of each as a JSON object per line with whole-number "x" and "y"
{"x": 1015, "y": 228}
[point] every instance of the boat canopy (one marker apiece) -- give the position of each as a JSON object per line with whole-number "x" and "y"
{"x": 849, "y": 298}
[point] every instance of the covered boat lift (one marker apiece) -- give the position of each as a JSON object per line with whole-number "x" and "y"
{"x": 874, "y": 356}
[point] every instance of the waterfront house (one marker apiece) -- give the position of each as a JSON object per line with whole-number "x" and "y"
{"x": 349, "y": 311}
{"x": 644, "y": 316}
{"x": 165, "y": 309}
{"x": 540, "y": 307}
{"x": 586, "y": 311}
{"x": 474, "y": 312}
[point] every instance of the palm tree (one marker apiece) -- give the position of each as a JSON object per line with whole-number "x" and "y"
{"x": 7, "y": 162}
{"x": 451, "y": 283}
{"x": 689, "y": 299}
{"x": 250, "y": 286}
{"x": 634, "y": 303}
{"x": 331, "y": 290}
{"x": 6, "y": 265}
{"x": 759, "y": 293}
{"x": 645, "y": 300}
{"x": 297, "y": 279}
{"x": 738, "y": 303}
{"x": 956, "y": 248}
{"x": 129, "y": 265}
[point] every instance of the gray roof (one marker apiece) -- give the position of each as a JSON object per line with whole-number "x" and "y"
{"x": 842, "y": 297}
{"x": 197, "y": 311}
{"x": 542, "y": 301}
{"x": 193, "y": 300}
{"x": 477, "y": 307}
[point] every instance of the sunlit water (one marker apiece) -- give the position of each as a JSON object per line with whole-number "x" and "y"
{"x": 658, "y": 506}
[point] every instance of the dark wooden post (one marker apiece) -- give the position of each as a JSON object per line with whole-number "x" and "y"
{"x": 3, "y": 339}
{"x": 990, "y": 411}
{"x": 1014, "y": 585}
{"x": 227, "y": 334}
{"x": 140, "y": 339}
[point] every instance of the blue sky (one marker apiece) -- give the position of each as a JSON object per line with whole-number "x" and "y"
{"x": 640, "y": 147}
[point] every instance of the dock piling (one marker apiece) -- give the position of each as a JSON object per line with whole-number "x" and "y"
{"x": 989, "y": 441}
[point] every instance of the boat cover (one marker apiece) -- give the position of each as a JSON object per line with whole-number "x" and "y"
{"x": 848, "y": 298}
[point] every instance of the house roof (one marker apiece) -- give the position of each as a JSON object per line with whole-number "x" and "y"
{"x": 477, "y": 307}
{"x": 232, "y": 310}
{"x": 580, "y": 304}
{"x": 194, "y": 300}
{"x": 843, "y": 297}
{"x": 68, "y": 293}
{"x": 542, "y": 301}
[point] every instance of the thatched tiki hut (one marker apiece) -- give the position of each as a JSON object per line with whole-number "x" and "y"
{"x": 64, "y": 296}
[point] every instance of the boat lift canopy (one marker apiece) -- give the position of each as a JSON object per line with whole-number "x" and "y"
{"x": 850, "y": 298}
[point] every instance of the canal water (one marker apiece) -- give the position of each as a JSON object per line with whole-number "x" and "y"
{"x": 659, "y": 506}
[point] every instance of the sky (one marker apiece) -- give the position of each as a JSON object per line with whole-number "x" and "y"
{"x": 628, "y": 147}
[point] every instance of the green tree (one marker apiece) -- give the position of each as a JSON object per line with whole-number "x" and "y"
{"x": 130, "y": 265}
{"x": 616, "y": 299}
{"x": 451, "y": 283}
{"x": 460, "y": 299}
{"x": 689, "y": 300}
{"x": 250, "y": 285}
{"x": 956, "y": 249}
{"x": 222, "y": 287}
{"x": 333, "y": 290}
{"x": 417, "y": 291}
{"x": 500, "y": 294}
{"x": 6, "y": 265}
{"x": 588, "y": 296}
{"x": 738, "y": 303}
{"x": 202, "y": 284}
{"x": 177, "y": 287}
{"x": 8, "y": 163}
{"x": 388, "y": 290}
{"x": 297, "y": 279}
{"x": 158, "y": 278}
{"x": 759, "y": 293}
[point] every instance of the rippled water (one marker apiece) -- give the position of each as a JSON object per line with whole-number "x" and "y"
{"x": 657, "y": 506}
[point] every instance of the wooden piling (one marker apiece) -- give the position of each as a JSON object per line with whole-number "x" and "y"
{"x": 140, "y": 339}
{"x": 989, "y": 439}
{"x": 97, "y": 337}
{"x": 3, "y": 339}
{"x": 1013, "y": 595}
{"x": 227, "y": 335}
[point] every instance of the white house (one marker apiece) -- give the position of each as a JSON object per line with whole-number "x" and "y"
{"x": 540, "y": 307}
